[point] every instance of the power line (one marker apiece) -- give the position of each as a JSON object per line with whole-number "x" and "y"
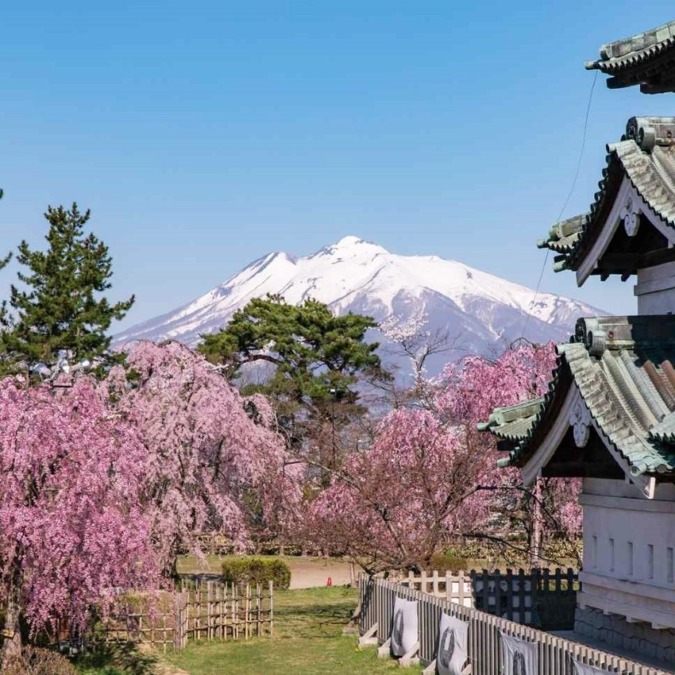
{"x": 567, "y": 199}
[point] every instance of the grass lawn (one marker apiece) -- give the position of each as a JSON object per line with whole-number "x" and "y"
{"x": 307, "y": 639}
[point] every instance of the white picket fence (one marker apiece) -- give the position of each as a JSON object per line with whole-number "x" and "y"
{"x": 520, "y": 596}
{"x": 555, "y": 655}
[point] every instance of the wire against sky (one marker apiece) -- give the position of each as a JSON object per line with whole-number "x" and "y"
{"x": 567, "y": 199}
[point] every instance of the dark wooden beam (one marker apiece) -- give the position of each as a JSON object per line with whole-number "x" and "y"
{"x": 582, "y": 470}
{"x": 629, "y": 263}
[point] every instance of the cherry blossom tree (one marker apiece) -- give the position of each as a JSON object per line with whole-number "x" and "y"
{"x": 431, "y": 476}
{"x": 211, "y": 467}
{"x": 74, "y": 529}
{"x": 413, "y": 339}
{"x": 103, "y": 482}
{"x": 391, "y": 506}
{"x": 468, "y": 392}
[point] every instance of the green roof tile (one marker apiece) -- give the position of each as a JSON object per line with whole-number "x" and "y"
{"x": 647, "y": 59}
{"x": 646, "y": 156}
{"x": 623, "y": 369}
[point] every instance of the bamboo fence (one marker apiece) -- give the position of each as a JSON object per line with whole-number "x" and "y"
{"x": 202, "y": 610}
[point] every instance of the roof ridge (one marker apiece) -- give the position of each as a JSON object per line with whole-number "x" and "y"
{"x": 638, "y": 42}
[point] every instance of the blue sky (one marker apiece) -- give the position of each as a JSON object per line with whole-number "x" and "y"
{"x": 205, "y": 134}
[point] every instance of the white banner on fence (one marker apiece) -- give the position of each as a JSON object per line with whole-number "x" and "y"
{"x": 585, "y": 669}
{"x": 518, "y": 656}
{"x": 452, "y": 640}
{"x": 403, "y": 626}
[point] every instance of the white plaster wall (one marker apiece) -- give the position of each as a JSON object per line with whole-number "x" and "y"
{"x": 623, "y": 488}
{"x": 655, "y": 289}
{"x": 631, "y": 545}
{"x": 629, "y": 551}
{"x": 661, "y": 302}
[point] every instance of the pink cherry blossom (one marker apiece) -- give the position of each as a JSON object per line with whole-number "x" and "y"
{"x": 430, "y": 476}
{"x": 74, "y": 528}
{"x": 208, "y": 460}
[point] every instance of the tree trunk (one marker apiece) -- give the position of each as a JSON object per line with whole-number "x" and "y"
{"x": 11, "y": 648}
{"x": 537, "y": 529}
{"x": 352, "y": 628}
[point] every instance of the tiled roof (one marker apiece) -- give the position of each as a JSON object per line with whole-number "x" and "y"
{"x": 647, "y": 59}
{"x": 646, "y": 156}
{"x": 623, "y": 368}
{"x": 564, "y": 236}
{"x": 515, "y": 422}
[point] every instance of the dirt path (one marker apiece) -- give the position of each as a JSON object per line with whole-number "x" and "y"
{"x": 306, "y": 572}
{"x": 313, "y": 572}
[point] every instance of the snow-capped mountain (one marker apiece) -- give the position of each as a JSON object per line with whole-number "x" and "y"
{"x": 481, "y": 313}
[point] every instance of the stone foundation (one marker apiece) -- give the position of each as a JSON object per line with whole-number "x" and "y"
{"x": 617, "y": 633}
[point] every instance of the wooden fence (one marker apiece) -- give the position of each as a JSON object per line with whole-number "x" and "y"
{"x": 555, "y": 655}
{"x": 205, "y": 610}
{"x": 216, "y": 610}
{"x": 541, "y": 597}
{"x": 143, "y": 618}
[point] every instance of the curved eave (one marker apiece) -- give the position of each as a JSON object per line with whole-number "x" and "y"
{"x": 519, "y": 426}
{"x": 563, "y": 238}
{"x": 558, "y": 389}
{"x": 629, "y": 398}
{"x": 645, "y": 59}
{"x": 630, "y": 174}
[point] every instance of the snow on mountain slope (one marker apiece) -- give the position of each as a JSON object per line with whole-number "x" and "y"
{"x": 482, "y": 313}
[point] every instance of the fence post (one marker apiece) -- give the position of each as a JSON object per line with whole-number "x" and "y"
{"x": 271, "y": 588}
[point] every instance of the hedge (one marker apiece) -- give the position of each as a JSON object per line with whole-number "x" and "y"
{"x": 245, "y": 570}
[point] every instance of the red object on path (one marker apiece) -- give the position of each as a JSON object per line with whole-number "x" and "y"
{"x": 329, "y": 582}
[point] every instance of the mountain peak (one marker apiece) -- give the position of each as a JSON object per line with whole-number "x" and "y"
{"x": 481, "y": 311}
{"x": 349, "y": 241}
{"x": 351, "y": 247}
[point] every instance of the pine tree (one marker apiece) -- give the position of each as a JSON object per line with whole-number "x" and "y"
{"x": 318, "y": 363}
{"x": 60, "y": 305}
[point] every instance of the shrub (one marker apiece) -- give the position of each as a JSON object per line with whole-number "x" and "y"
{"x": 447, "y": 563}
{"x": 245, "y": 570}
{"x": 36, "y": 661}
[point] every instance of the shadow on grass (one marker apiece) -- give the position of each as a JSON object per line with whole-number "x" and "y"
{"x": 116, "y": 657}
{"x": 312, "y": 620}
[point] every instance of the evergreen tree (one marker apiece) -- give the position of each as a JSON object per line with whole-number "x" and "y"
{"x": 60, "y": 305}
{"x": 316, "y": 360}
{"x": 314, "y": 353}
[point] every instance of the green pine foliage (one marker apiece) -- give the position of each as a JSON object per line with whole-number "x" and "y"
{"x": 60, "y": 304}
{"x": 316, "y": 360}
{"x": 315, "y": 354}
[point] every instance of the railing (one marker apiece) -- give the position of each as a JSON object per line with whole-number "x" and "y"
{"x": 555, "y": 655}
{"x": 541, "y": 597}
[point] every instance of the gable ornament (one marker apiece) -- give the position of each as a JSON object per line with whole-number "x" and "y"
{"x": 630, "y": 215}
{"x": 580, "y": 421}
